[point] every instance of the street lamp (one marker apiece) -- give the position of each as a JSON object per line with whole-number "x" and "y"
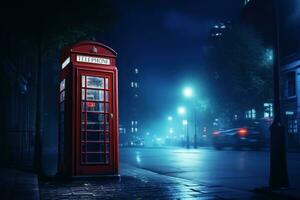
{"x": 181, "y": 110}
{"x": 189, "y": 93}
{"x": 185, "y": 124}
{"x": 170, "y": 118}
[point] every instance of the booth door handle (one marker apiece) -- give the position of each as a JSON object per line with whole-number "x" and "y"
{"x": 111, "y": 115}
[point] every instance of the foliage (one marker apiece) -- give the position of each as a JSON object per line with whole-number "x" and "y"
{"x": 241, "y": 69}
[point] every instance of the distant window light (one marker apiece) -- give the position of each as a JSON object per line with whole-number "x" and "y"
{"x": 268, "y": 110}
{"x": 132, "y": 130}
{"x": 136, "y": 95}
{"x": 216, "y": 26}
{"x": 132, "y": 84}
{"x": 223, "y": 26}
{"x": 250, "y": 114}
{"x": 136, "y": 130}
{"x": 132, "y": 123}
{"x": 235, "y": 117}
{"x": 136, "y": 122}
{"x": 136, "y": 84}
{"x": 136, "y": 70}
{"x": 289, "y": 113}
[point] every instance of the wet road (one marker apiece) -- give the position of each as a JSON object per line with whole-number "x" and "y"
{"x": 236, "y": 169}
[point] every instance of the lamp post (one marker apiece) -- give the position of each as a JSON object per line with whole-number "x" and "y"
{"x": 182, "y": 111}
{"x": 278, "y": 164}
{"x": 185, "y": 124}
{"x": 189, "y": 93}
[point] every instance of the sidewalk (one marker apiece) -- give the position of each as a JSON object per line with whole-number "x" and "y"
{"x": 136, "y": 183}
{"x": 17, "y": 185}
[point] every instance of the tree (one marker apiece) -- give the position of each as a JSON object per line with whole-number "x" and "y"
{"x": 241, "y": 69}
{"x": 41, "y": 27}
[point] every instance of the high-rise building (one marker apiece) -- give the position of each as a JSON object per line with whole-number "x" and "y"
{"x": 219, "y": 29}
{"x": 134, "y": 93}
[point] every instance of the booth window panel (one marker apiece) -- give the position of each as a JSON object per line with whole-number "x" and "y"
{"x": 107, "y": 147}
{"x": 96, "y": 136}
{"x": 94, "y": 126}
{"x": 106, "y": 83}
{"x": 62, "y": 96}
{"x": 94, "y": 147}
{"x": 82, "y": 106}
{"x": 83, "y": 81}
{"x": 94, "y": 106}
{"x": 93, "y": 95}
{"x": 62, "y": 85}
{"x": 95, "y": 158}
{"x": 62, "y": 107}
{"x": 95, "y": 82}
{"x": 106, "y": 96}
{"x": 95, "y": 117}
{"x": 107, "y": 158}
{"x": 97, "y": 95}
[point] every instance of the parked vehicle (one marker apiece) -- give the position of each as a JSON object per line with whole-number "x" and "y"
{"x": 245, "y": 136}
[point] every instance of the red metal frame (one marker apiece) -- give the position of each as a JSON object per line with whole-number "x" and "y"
{"x": 72, "y": 164}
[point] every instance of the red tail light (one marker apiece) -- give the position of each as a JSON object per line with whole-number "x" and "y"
{"x": 242, "y": 132}
{"x": 215, "y": 133}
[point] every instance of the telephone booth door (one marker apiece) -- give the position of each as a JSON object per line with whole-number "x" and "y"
{"x": 96, "y": 121}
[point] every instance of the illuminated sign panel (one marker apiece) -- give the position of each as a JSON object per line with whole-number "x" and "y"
{"x": 92, "y": 60}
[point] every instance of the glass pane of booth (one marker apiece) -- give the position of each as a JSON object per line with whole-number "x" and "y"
{"x": 94, "y": 106}
{"x": 106, "y": 83}
{"x": 95, "y": 120}
{"x": 97, "y": 95}
{"x": 62, "y": 85}
{"x": 95, "y": 82}
{"x": 83, "y": 81}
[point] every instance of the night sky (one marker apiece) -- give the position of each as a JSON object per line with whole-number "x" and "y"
{"x": 165, "y": 41}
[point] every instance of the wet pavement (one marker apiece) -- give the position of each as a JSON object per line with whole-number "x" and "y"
{"x": 140, "y": 184}
{"x": 174, "y": 174}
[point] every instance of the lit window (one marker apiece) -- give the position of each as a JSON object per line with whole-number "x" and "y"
{"x": 268, "y": 110}
{"x": 132, "y": 84}
{"x": 136, "y": 122}
{"x": 136, "y": 70}
{"x": 132, "y": 123}
{"x": 136, "y": 130}
{"x": 250, "y": 114}
{"x": 136, "y": 84}
{"x": 132, "y": 130}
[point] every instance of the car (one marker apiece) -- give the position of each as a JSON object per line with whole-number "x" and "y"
{"x": 245, "y": 136}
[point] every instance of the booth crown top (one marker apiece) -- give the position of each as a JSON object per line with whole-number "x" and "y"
{"x": 92, "y": 47}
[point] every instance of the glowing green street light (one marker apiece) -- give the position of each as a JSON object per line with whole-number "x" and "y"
{"x": 181, "y": 110}
{"x": 188, "y": 92}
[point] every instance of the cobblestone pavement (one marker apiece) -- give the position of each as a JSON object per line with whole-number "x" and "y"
{"x": 136, "y": 183}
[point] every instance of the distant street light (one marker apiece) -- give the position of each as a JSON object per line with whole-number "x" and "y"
{"x": 184, "y": 122}
{"x": 181, "y": 110}
{"x": 170, "y": 118}
{"x": 188, "y": 92}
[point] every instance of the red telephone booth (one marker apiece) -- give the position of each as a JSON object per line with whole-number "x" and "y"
{"x": 88, "y": 104}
